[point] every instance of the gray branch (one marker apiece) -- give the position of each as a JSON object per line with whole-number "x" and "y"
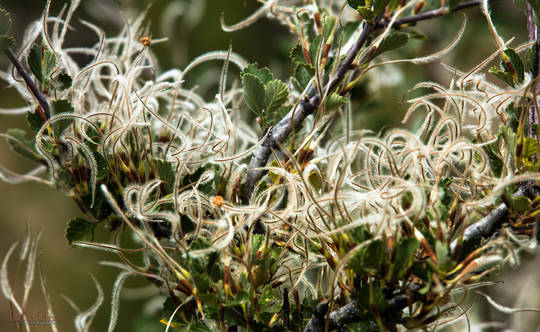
{"x": 296, "y": 116}
{"x": 339, "y": 318}
{"x": 491, "y": 223}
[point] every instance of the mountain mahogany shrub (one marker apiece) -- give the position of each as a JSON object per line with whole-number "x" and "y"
{"x": 300, "y": 221}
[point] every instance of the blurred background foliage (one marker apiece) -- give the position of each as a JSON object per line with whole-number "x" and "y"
{"x": 192, "y": 28}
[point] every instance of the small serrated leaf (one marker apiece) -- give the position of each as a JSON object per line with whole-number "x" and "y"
{"x": 395, "y": 40}
{"x": 21, "y": 144}
{"x": 443, "y": 256}
{"x": 64, "y": 81}
{"x": 254, "y": 94}
{"x": 314, "y": 49}
{"x": 366, "y": 13}
{"x": 262, "y": 74}
{"x": 166, "y": 173}
{"x": 531, "y": 58}
{"x": 50, "y": 64}
{"x": 5, "y": 21}
{"x": 512, "y": 64}
{"x": 79, "y": 229}
{"x": 301, "y": 76}
{"x": 335, "y": 100}
{"x": 61, "y": 106}
{"x": 297, "y": 55}
{"x": 379, "y": 5}
{"x": 34, "y": 120}
{"x": 404, "y": 254}
{"x": 502, "y": 75}
{"x": 34, "y": 62}
{"x": 275, "y": 95}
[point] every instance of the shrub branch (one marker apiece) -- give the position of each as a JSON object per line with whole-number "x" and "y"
{"x": 29, "y": 82}
{"x": 296, "y": 116}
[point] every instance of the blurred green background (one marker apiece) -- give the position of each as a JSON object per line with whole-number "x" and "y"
{"x": 193, "y": 28}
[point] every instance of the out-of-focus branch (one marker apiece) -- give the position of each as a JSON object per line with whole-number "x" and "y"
{"x": 534, "y": 33}
{"x": 41, "y": 99}
{"x": 431, "y": 14}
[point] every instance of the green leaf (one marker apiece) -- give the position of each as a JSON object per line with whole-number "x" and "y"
{"x": 61, "y": 106}
{"x": 297, "y": 55}
{"x": 79, "y": 229}
{"x": 314, "y": 49}
{"x": 404, "y": 255}
{"x": 263, "y": 74}
{"x": 102, "y": 168}
{"x": 368, "y": 259}
{"x": 355, "y": 3}
{"x": 275, "y": 95}
{"x": 257, "y": 241}
{"x": 268, "y": 299}
{"x": 242, "y": 297}
{"x": 370, "y": 298}
{"x": 513, "y": 65}
{"x": 328, "y": 26}
{"x": 5, "y": 21}
{"x": 366, "y": 13}
{"x": 394, "y": 40}
{"x": 42, "y": 63}
{"x": 335, "y": 100}
{"x": 315, "y": 180}
{"x": 21, "y": 144}
{"x": 202, "y": 282}
{"x": 168, "y": 310}
{"x": 64, "y": 81}
{"x": 166, "y": 173}
{"x": 6, "y": 42}
{"x": 305, "y": 27}
{"x": 495, "y": 159}
{"x": 301, "y": 76}
{"x": 379, "y": 5}
{"x": 531, "y": 58}
{"x": 34, "y": 62}
{"x": 254, "y": 94}
{"x": 195, "y": 327}
{"x": 530, "y": 147}
{"x": 502, "y": 75}
{"x": 34, "y": 120}
{"x": 186, "y": 224}
{"x": 521, "y": 204}
{"x": 360, "y": 234}
{"x": 443, "y": 256}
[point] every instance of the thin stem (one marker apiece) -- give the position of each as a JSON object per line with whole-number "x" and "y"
{"x": 42, "y": 100}
{"x": 533, "y": 30}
